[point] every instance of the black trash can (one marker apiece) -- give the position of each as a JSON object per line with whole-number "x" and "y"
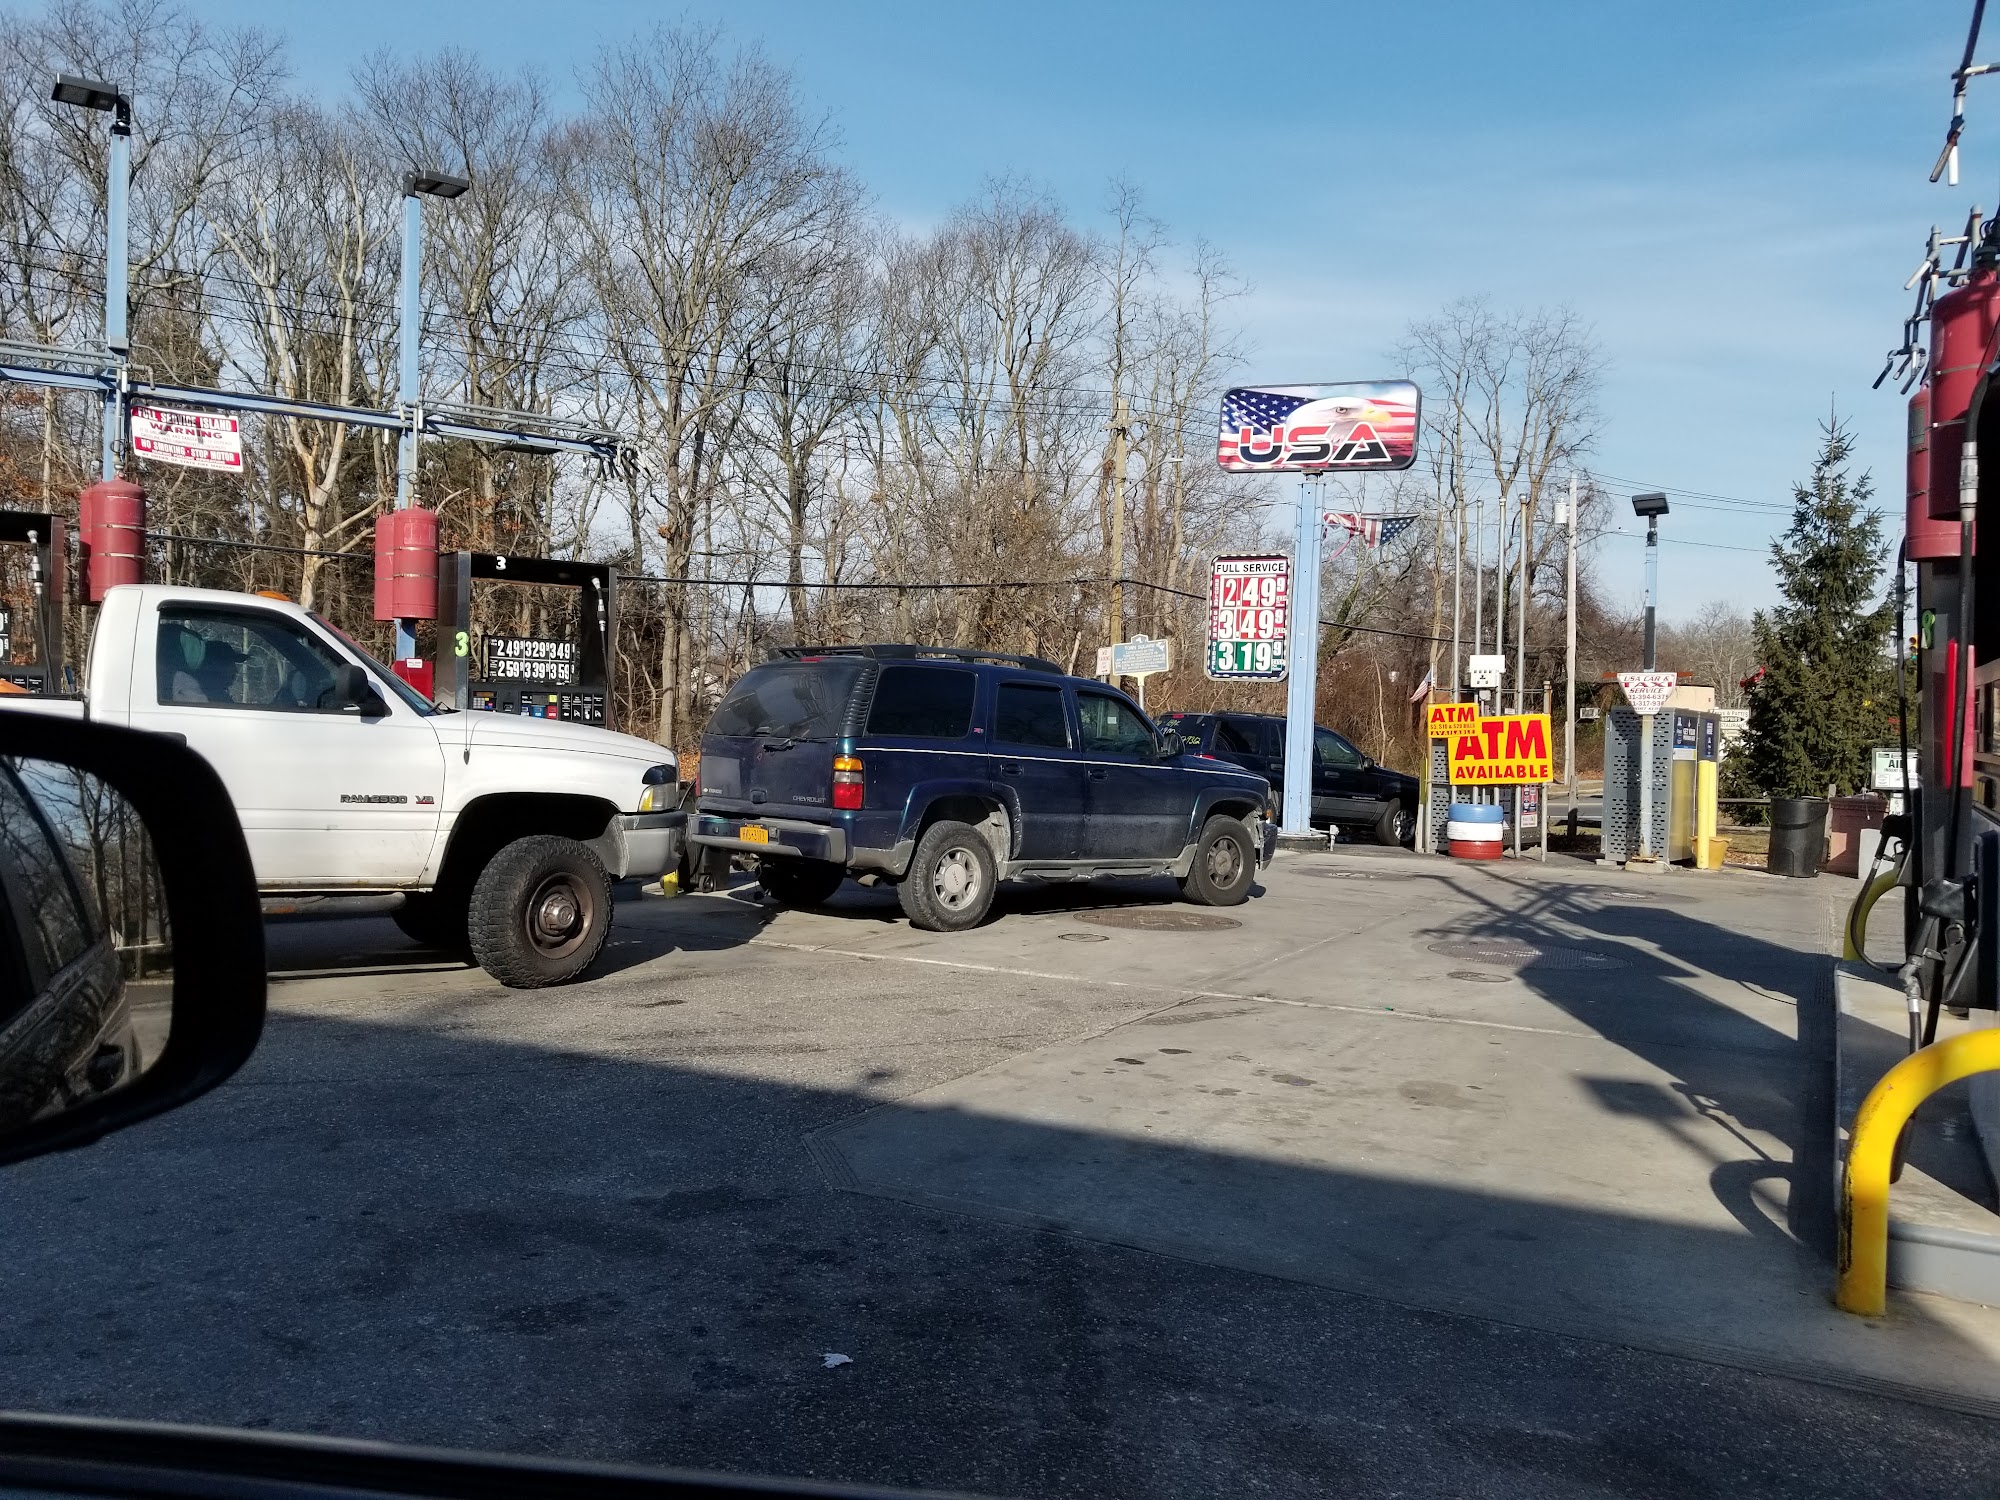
{"x": 1798, "y": 835}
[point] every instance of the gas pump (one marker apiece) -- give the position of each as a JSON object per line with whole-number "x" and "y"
{"x": 540, "y": 676}
{"x": 40, "y": 626}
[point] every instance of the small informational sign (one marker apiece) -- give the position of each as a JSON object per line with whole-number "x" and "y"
{"x": 1446, "y": 719}
{"x": 1316, "y": 428}
{"x": 1686, "y": 736}
{"x": 1587, "y": 712}
{"x": 1885, "y": 772}
{"x": 1506, "y": 750}
{"x": 1647, "y": 692}
{"x": 6, "y": 632}
{"x": 192, "y": 439}
{"x": 1485, "y": 671}
{"x": 1141, "y": 657}
{"x": 528, "y": 658}
{"x": 1531, "y": 807}
{"x": 1103, "y": 661}
{"x": 1249, "y": 617}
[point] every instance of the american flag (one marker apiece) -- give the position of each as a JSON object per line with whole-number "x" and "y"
{"x": 1373, "y": 530}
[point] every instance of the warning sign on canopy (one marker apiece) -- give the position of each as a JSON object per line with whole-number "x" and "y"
{"x": 1509, "y": 750}
{"x": 192, "y": 439}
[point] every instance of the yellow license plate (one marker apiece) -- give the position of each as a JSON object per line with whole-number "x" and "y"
{"x": 750, "y": 834}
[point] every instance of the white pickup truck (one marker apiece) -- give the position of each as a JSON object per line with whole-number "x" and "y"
{"x": 504, "y": 832}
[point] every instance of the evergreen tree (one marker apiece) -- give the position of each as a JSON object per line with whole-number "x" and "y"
{"x": 1827, "y": 695}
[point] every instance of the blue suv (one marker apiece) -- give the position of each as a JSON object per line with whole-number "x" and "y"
{"x": 945, "y": 772}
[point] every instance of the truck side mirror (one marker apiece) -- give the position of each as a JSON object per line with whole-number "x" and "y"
{"x": 352, "y": 689}
{"x": 1170, "y": 744}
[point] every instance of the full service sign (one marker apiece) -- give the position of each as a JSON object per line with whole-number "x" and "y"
{"x": 527, "y": 658}
{"x": 1249, "y": 617}
{"x": 192, "y": 439}
{"x": 1507, "y": 750}
{"x": 1315, "y": 428}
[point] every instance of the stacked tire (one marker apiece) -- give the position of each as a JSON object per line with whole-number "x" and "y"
{"x": 1475, "y": 830}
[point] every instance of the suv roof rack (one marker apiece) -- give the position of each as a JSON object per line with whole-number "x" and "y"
{"x": 892, "y": 651}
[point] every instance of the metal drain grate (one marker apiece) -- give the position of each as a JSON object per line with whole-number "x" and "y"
{"x": 1156, "y": 919}
{"x": 1083, "y": 937}
{"x": 1518, "y": 953}
{"x": 1477, "y": 976}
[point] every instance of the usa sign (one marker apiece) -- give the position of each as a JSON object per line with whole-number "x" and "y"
{"x": 1249, "y": 617}
{"x": 1317, "y": 428}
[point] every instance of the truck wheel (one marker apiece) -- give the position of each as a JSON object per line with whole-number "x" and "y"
{"x": 800, "y": 882}
{"x": 951, "y": 879}
{"x": 1396, "y": 827}
{"x": 1224, "y": 864}
{"x": 434, "y": 918}
{"x": 540, "y": 912}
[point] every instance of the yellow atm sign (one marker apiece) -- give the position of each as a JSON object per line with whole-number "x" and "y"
{"x": 1509, "y": 750}
{"x": 1448, "y": 719}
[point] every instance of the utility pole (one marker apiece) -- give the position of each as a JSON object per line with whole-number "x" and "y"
{"x": 1500, "y": 595}
{"x": 1120, "y": 437}
{"x": 89, "y": 93}
{"x": 1569, "y": 650}
{"x": 1521, "y": 628}
{"x": 1457, "y": 596}
{"x": 409, "y": 382}
{"x": 1479, "y": 577}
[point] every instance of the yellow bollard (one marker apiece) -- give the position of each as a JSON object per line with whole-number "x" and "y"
{"x": 1864, "y": 1183}
{"x": 1854, "y": 932}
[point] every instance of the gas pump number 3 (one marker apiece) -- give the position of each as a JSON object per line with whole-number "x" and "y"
{"x": 1249, "y": 617}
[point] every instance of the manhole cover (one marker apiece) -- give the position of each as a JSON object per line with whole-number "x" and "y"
{"x": 1518, "y": 953}
{"x": 1083, "y": 937}
{"x": 1477, "y": 976}
{"x": 1154, "y": 919}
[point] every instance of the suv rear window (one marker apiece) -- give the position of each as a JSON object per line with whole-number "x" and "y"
{"x": 931, "y": 703}
{"x": 796, "y": 700}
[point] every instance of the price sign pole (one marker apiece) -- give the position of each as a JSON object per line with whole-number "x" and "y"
{"x": 1300, "y": 690}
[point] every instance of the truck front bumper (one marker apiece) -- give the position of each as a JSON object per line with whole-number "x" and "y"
{"x": 652, "y": 842}
{"x": 782, "y": 837}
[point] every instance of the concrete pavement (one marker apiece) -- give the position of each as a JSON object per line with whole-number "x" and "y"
{"x": 1423, "y": 1180}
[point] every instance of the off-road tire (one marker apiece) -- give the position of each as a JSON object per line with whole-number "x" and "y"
{"x": 1225, "y": 864}
{"x": 540, "y": 912}
{"x": 1396, "y": 827}
{"x": 951, "y": 880}
{"x": 800, "y": 882}
{"x": 434, "y": 918}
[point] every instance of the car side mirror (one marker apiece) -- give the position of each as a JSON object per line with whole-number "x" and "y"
{"x": 352, "y": 688}
{"x": 129, "y": 919}
{"x": 1171, "y": 744}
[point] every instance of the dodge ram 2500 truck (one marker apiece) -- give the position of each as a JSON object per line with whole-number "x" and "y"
{"x": 504, "y": 832}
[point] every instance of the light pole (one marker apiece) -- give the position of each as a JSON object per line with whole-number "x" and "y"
{"x": 1569, "y": 652}
{"x": 89, "y": 93}
{"x": 409, "y": 386}
{"x": 1652, "y": 507}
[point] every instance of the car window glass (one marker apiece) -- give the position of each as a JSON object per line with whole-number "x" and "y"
{"x": 54, "y": 925}
{"x": 1231, "y": 737}
{"x": 933, "y": 703}
{"x": 800, "y": 700}
{"x": 1111, "y": 727}
{"x": 244, "y": 660}
{"x": 1331, "y": 750}
{"x": 1030, "y": 714}
{"x": 1271, "y": 738}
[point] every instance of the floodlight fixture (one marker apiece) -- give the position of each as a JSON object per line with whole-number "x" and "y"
{"x": 1649, "y": 505}
{"x": 89, "y": 93}
{"x": 435, "y": 185}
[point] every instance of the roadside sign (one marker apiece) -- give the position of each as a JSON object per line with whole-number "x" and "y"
{"x": 1249, "y": 617}
{"x": 1103, "y": 662}
{"x": 1485, "y": 671}
{"x": 1531, "y": 807}
{"x": 1311, "y": 429}
{"x": 192, "y": 439}
{"x": 1141, "y": 657}
{"x": 1447, "y": 719}
{"x": 1886, "y": 769}
{"x": 1506, "y": 750}
{"x": 1648, "y": 691}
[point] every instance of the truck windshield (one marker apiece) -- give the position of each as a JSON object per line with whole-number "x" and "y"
{"x": 416, "y": 700}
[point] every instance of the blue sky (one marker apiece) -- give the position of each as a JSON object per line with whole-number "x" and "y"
{"x": 1732, "y": 194}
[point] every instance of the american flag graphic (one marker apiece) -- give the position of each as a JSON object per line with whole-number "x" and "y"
{"x": 1373, "y": 530}
{"x": 1312, "y": 428}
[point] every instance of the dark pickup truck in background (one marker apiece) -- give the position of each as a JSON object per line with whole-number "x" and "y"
{"x": 1350, "y": 791}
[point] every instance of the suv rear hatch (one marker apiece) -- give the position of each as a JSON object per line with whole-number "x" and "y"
{"x": 769, "y": 749}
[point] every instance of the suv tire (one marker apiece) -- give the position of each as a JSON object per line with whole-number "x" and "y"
{"x": 540, "y": 912}
{"x": 1225, "y": 864}
{"x": 434, "y": 918}
{"x": 800, "y": 882}
{"x": 1396, "y": 826}
{"x": 951, "y": 879}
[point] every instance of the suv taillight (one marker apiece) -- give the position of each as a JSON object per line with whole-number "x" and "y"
{"x": 847, "y": 784}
